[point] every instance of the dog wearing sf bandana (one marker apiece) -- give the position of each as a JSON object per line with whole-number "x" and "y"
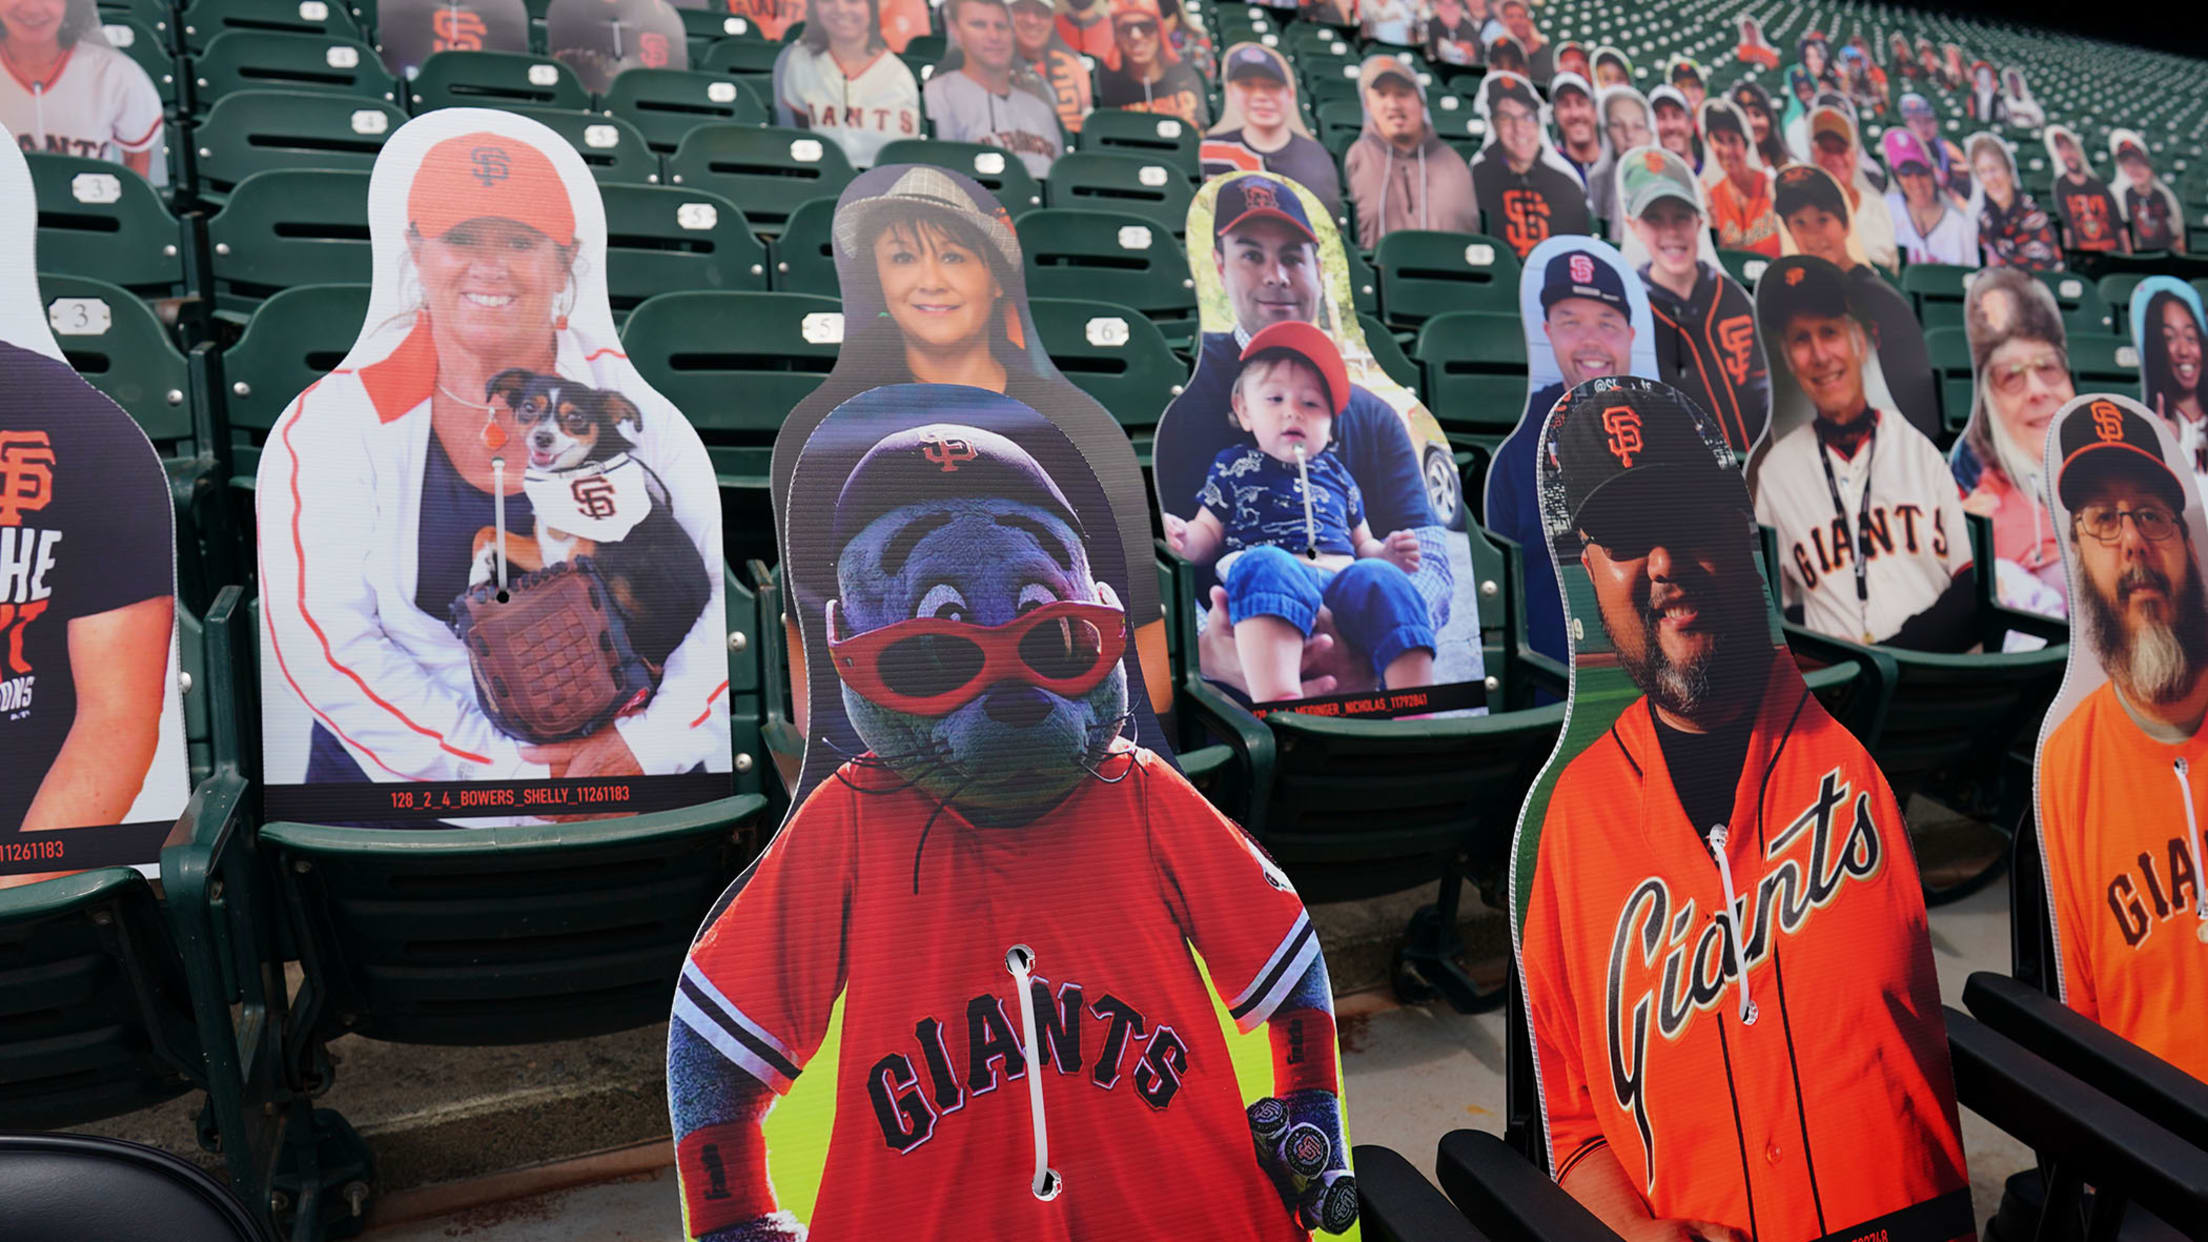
{"x": 998, "y": 830}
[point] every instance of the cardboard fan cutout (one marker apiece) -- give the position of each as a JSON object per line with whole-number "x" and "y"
{"x": 2172, "y": 333}
{"x": 1627, "y": 123}
{"x": 988, "y": 94}
{"x": 1930, "y": 225}
{"x": 1572, "y": 58}
{"x": 862, "y": 109}
{"x": 1102, "y": 948}
{"x": 2020, "y": 377}
{"x": 1872, "y": 543}
{"x": 907, "y": 236}
{"x": 1578, "y": 132}
{"x": 1401, "y": 174}
{"x": 1041, "y": 46}
{"x": 2013, "y": 230}
{"x": 600, "y": 38}
{"x": 1453, "y": 33}
{"x": 1261, "y": 128}
{"x": 1586, "y": 315}
{"x": 1728, "y": 982}
{"x": 1612, "y": 67}
{"x": 2024, "y": 110}
{"x": 1145, "y": 71}
{"x": 409, "y": 32}
{"x": 1705, "y": 339}
{"x": 1815, "y": 221}
{"x": 491, "y": 560}
{"x": 91, "y": 715}
{"x": 108, "y": 109}
{"x": 901, "y": 19}
{"x": 2157, "y": 218}
{"x": 1736, "y": 185}
{"x": 2118, "y": 784}
{"x": 1294, "y": 476}
{"x": 2092, "y": 219}
{"x": 1526, "y": 189}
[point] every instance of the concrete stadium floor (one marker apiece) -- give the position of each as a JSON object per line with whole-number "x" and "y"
{"x": 1414, "y": 1073}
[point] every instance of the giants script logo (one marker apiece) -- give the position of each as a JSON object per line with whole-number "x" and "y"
{"x": 1527, "y": 217}
{"x": 1653, "y": 967}
{"x": 457, "y": 31}
{"x": 947, "y": 452}
{"x": 1737, "y": 337}
{"x": 491, "y": 165}
{"x": 1623, "y": 422}
{"x": 26, "y": 474}
{"x": 594, "y": 495}
{"x": 2108, "y": 421}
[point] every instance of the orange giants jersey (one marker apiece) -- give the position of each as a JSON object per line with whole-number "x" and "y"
{"x": 1833, "y": 1113}
{"x": 876, "y": 893}
{"x": 2121, "y": 877}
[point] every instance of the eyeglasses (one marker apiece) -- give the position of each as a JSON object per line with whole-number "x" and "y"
{"x": 1140, "y": 29}
{"x": 2009, "y": 380}
{"x": 930, "y": 666}
{"x": 2105, "y": 523}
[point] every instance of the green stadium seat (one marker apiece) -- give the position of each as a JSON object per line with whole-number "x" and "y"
{"x": 2104, "y": 363}
{"x": 714, "y": 26}
{"x": 206, "y": 20}
{"x": 1364, "y": 283}
{"x": 117, "y": 344}
{"x": 1949, "y": 349}
{"x": 1340, "y": 121}
{"x": 1936, "y": 291}
{"x": 2082, "y": 307}
{"x": 285, "y": 227}
{"x": 101, "y": 220}
{"x": 749, "y": 61}
{"x": 998, "y": 173}
{"x": 1424, "y": 274}
{"x": 735, "y": 364}
{"x": 250, "y": 60}
{"x": 2115, "y": 290}
{"x": 1116, "y": 355}
{"x": 1746, "y": 266}
{"x": 158, "y": 16}
{"x": 292, "y": 340}
{"x": 115, "y": 999}
{"x": 1388, "y": 352}
{"x": 610, "y": 147}
{"x": 148, "y": 46}
{"x": 1109, "y": 256}
{"x": 1143, "y": 135}
{"x": 494, "y": 80}
{"x": 660, "y": 239}
{"x": 805, "y": 253}
{"x": 1082, "y": 180}
{"x": 252, "y": 131}
{"x": 1475, "y": 368}
{"x": 767, "y": 171}
{"x": 666, "y": 104}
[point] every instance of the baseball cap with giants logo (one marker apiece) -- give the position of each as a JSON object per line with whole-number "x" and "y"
{"x": 485, "y": 175}
{"x": 1253, "y": 196}
{"x": 1649, "y": 175}
{"x": 2103, "y": 435}
{"x": 1579, "y": 274}
{"x": 1626, "y": 449}
{"x": 943, "y": 460}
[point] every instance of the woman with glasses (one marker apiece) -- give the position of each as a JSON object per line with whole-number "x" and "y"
{"x": 2020, "y": 359}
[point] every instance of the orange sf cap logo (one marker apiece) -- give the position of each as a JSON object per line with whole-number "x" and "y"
{"x": 1623, "y": 422}
{"x": 2108, "y": 420}
{"x": 1654, "y": 160}
{"x": 1795, "y": 275}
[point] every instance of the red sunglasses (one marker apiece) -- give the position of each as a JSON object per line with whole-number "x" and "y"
{"x": 930, "y": 666}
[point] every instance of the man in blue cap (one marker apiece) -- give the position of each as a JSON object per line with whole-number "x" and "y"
{"x": 1261, "y": 94}
{"x": 1589, "y": 324}
{"x": 1267, "y": 255}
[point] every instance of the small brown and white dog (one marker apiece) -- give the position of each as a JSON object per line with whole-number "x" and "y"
{"x": 580, "y": 467}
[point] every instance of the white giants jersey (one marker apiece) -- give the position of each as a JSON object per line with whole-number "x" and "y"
{"x": 1917, "y": 540}
{"x": 862, "y": 114}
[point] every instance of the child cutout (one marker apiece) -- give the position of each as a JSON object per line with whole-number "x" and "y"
{"x": 1286, "y": 491}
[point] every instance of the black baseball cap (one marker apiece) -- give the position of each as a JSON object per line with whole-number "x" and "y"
{"x": 1579, "y": 274}
{"x": 1253, "y": 196}
{"x": 1251, "y": 60}
{"x": 1627, "y": 450}
{"x": 943, "y": 461}
{"x": 1804, "y": 185}
{"x": 1800, "y": 284}
{"x": 2103, "y": 435}
{"x": 1507, "y": 85}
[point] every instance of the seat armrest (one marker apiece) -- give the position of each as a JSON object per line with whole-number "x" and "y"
{"x": 2133, "y": 1077}
{"x": 1512, "y": 1199}
{"x": 1395, "y": 1202}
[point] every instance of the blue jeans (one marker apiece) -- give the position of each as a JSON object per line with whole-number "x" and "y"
{"x": 1376, "y": 609}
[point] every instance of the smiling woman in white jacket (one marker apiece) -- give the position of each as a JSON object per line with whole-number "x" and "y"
{"x": 377, "y": 480}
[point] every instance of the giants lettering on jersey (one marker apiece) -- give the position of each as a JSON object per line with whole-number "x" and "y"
{"x": 1832, "y": 548}
{"x": 1661, "y": 961}
{"x": 880, "y": 120}
{"x": 2129, "y": 906}
{"x": 1020, "y": 142}
{"x": 1106, "y": 1041}
{"x": 62, "y": 144}
{"x": 26, "y": 557}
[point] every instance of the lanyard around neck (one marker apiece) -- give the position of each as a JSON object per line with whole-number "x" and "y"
{"x": 1859, "y": 539}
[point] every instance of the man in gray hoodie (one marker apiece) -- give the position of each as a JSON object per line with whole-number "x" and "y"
{"x": 1401, "y": 174}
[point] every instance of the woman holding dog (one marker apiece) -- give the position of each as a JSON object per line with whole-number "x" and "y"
{"x": 381, "y": 481}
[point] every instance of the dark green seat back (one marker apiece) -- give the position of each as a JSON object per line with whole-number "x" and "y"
{"x": 661, "y": 239}
{"x": 295, "y": 338}
{"x": 289, "y": 227}
{"x": 253, "y": 131}
{"x": 117, "y": 343}
{"x": 494, "y": 80}
{"x": 768, "y": 172}
{"x": 1424, "y": 274}
{"x": 805, "y": 255}
{"x": 610, "y": 147}
{"x": 1001, "y": 174}
{"x": 1144, "y": 135}
{"x": 1107, "y": 256}
{"x": 248, "y": 60}
{"x": 101, "y": 220}
{"x": 1936, "y": 290}
{"x": 1113, "y": 354}
{"x": 1141, "y": 186}
{"x": 666, "y": 104}
{"x": 735, "y": 364}
{"x": 2104, "y": 363}
{"x": 1949, "y": 350}
{"x": 206, "y": 20}
{"x": 1475, "y": 368}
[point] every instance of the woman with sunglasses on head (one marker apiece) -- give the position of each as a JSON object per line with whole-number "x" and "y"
{"x": 1142, "y": 72}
